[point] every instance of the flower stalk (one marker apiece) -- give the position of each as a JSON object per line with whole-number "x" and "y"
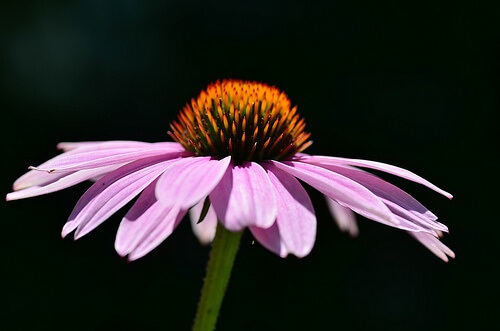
{"x": 220, "y": 263}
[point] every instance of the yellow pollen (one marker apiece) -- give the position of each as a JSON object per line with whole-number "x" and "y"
{"x": 248, "y": 120}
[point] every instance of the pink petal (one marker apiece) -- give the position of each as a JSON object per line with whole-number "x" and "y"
{"x": 398, "y": 201}
{"x": 161, "y": 232}
{"x": 434, "y": 245}
{"x": 204, "y": 231}
{"x": 61, "y": 182}
{"x": 339, "y": 188}
{"x": 99, "y": 145}
{"x": 244, "y": 197}
{"x": 34, "y": 178}
{"x": 145, "y": 212}
{"x": 86, "y": 146}
{"x": 397, "y": 171}
{"x": 344, "y": 217}
{"x": 270, "y": 238}
{"x": 411, "y": 226}
{"x": 295, "y": 219}
{"x": 39, "y": 178}
{"x": 383, "y": 189}
{"x": 190, "y": 180}
{"x": 421, "y": 223}
{"x": 101, "y": 158}
{"x": 346, "y": 221}
{"x": 112, "y": 192}
{"x": 146, "y": 215}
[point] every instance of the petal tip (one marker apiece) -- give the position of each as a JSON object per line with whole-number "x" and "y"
{"x": 67, "y": 229}
{"x": 62, "y": 145}
{"x": 80, "y": 232}
{"x": 136, "y": 255}
{"x": 121, "y": 248}
{"x": 121, "y": 252}
{"x": 353, "y": 233}
{"x": 303, "y": 253}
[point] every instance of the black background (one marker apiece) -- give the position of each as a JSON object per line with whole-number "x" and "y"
{"x": 414, "y": 84}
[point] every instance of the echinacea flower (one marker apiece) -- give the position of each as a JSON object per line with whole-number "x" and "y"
{"x": 237, "y": 161}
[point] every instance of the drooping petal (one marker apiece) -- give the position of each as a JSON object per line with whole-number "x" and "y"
{"x": 205, "y": 230}
{"x": 35, "y": 178}
{"x": 161, "y": 232}
{"x": 190, "y": 180}
{"x": 136, "y": 228}
{"x": 62, "y": 182}
{"x": 421, "y": 223}
{"x": 434, "y": 245}
{"x": 101, "y": 158}
{"x": 270, "y": 238}
{"x": 101, "y": 145}
{"x": 412, "y": 226}
{"x": 344, "y": 217}
{"x": 296, "y": 220}
{"x": 112, "y": 192}
{"x": 145, "y": 212}
{"x": 397, "y": 171}
{"x": 346, "y": 221}
{"x": 39, "y": 178}
{"x": 342, "y": 189}
{"x": 398, "y": 201}
{"x": 244, "y": 197}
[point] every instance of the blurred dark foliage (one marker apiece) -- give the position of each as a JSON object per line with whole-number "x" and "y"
{"x": 411, "y": 83}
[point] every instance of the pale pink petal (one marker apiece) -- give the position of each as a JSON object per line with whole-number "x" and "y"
{"x": 244, "y": 197}
{"x": 412, "y": 226}
{"x": 295, "y": 219}
{"x": 112, "y": 192}
{"x": 383, "y": 189}
{"x": 101, "y": 145}
{"x": 346, "y": 221}
{"x": 397, "y": 171}
{"x": 403, "y": 223}
{"x": 144, "y": 214}
{"x": 190, "y": 180}
{"x": 204, "y": 231}
{"x": 398, "y": 201}
{"x": 101, "y": 158}
{"x": 34, "y": 178}
{"x": 345, "y": 191}
{"x": 434, "y": 245}
{"x": 344, "y": 217}
{"x": 138, "y": 226}
{"x": 39, "y": 178}
{"x": 62, "y": 182}
{"x": 419, "y": 221}
{"x": 159, "y": 233}
{"x": 270, "y": 238}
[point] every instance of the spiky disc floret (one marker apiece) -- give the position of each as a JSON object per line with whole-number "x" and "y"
{"x": 248, "y": 120}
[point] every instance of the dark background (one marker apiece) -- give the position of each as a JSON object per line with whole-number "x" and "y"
{"x": 414, "y": 84}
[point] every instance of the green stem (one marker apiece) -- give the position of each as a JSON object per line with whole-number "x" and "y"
{"x": 219, "y": 268}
